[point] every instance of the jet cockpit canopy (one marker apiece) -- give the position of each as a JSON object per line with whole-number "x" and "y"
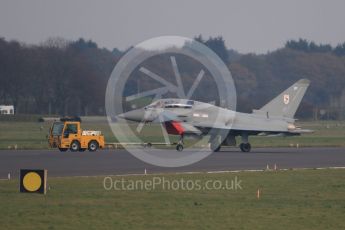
{"x": 171, "y": 103}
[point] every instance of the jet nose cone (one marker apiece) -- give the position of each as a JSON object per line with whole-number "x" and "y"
{"x": 134, "y": 115}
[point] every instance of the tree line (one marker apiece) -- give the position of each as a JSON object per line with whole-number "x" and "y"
{"x": 310, "y": 46}
{"x": 69, "y": 77}
{"x": 55, "y": 77}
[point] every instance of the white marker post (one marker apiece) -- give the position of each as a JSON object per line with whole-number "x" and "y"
{"x": 258, "y": 194}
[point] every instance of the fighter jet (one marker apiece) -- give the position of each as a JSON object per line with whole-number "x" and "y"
{"x": 188, "y": 117}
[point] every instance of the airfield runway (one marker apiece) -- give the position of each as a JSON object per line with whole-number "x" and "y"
{"x": 115, "y": 162}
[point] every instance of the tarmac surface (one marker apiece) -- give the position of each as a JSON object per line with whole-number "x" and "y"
{"x": 119, "y": 161}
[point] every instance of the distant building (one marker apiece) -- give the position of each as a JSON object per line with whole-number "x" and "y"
{"x": 7, "y": 109}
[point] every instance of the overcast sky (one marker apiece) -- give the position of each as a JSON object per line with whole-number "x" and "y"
{"x": 247, "y": 26}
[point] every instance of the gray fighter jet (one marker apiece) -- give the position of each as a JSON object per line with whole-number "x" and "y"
{"x": 188, "y": 117}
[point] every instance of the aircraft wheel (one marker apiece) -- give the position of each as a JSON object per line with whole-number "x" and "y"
{"x": 179, "y": 147}
{"x": 245, "y": 147}
{"x": 147, "y": 145}
{"x": 93, "y": 146}
{"x": 63, "y": 149}
{"x": 216, "y": 149}
{"x": 75, "y": 146}
{"x": 215, "y": 144}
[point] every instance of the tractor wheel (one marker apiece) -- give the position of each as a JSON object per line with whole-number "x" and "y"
{"x": 75, "y": 146}
{"x": 93, "y": 146}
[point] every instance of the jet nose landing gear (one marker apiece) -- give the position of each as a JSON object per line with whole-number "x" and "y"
{"x": 179, "y": 146}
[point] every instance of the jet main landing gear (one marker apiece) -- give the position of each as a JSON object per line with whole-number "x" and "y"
{"x": 245, "y": 146}
{"x": 215, "y": 143}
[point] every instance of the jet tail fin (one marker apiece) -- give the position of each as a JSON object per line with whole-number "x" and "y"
{"x": 286, "y": 104}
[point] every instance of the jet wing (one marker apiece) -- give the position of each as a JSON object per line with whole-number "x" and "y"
{"x": 262, "y": 129}
{"x": 301, "y": 131}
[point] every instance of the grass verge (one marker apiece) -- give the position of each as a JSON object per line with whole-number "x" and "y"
{"x": 304, "y": 199}
{"x": 32, "y": 135}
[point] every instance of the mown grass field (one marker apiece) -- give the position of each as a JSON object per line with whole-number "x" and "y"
{"x": 32, "y": 135}
{"x": 303, "y": 199}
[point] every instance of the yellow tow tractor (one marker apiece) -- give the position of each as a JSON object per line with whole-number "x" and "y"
{"x": 67, "y": 134}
